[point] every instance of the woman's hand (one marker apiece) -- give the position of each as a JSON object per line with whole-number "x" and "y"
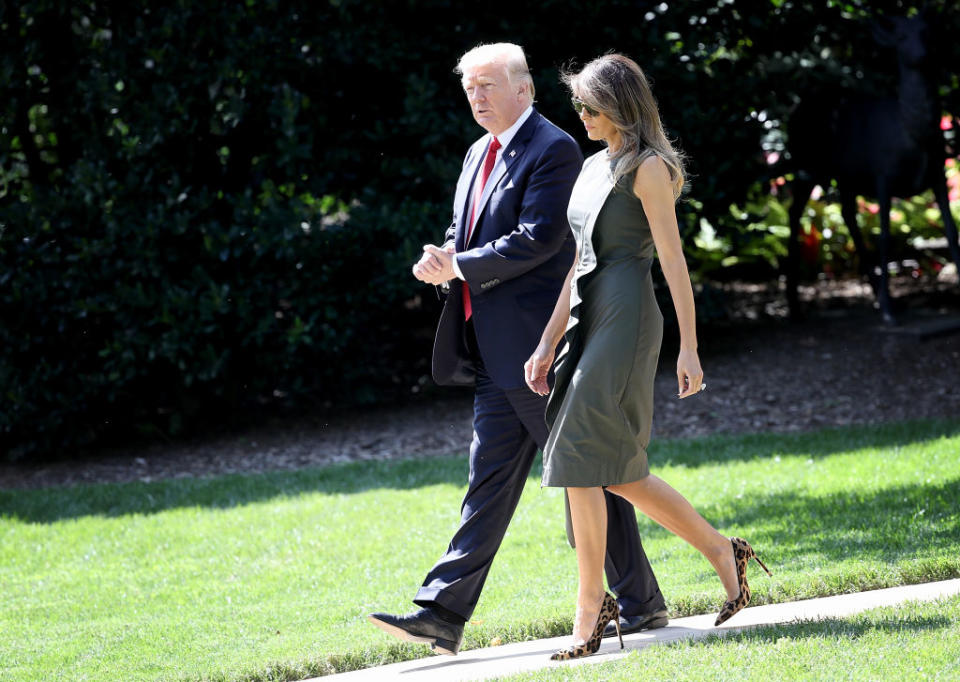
{"x": 689, "y": 374}
{"x": 536, "y": 369}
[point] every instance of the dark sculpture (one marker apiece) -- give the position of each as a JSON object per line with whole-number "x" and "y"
{"x": 875, "y": 147}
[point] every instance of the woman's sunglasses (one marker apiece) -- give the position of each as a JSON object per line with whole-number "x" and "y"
{"x": 580, "y": 107}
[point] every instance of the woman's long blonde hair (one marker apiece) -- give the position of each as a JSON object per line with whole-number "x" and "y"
{"x": 615, "y": 86}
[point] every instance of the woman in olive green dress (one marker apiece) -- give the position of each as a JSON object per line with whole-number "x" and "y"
{"x": 600, "y": 413}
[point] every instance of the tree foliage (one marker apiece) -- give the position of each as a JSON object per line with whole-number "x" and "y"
{"x": 208, "y": 208}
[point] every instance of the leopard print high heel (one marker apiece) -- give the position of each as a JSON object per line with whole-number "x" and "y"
{"x": 742, "y": 553}
{"x": 609, "y": 611}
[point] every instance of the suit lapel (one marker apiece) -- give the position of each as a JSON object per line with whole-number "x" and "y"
{"x": 509, "y": 157}
{"x": 464, "y": 199}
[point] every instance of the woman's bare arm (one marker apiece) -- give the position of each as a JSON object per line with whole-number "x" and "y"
{"x": 654, "y": 188}
{"x": 538, "y": 366}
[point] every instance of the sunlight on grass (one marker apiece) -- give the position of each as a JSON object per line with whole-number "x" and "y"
{"x": 270, "y": 577}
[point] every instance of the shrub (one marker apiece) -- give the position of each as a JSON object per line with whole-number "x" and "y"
{"x": 207, "y": 209}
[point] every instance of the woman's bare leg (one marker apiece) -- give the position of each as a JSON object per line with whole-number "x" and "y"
{"x": 655, "y": 498}
{"x": 588, "y": 513}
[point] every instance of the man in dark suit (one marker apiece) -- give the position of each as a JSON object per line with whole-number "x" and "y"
{"x": 506, "y": 255}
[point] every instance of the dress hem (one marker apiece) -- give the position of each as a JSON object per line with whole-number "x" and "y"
{"x": 580, "y": 484}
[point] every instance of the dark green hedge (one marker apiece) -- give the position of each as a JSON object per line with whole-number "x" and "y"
{"x": 210, "y": 209}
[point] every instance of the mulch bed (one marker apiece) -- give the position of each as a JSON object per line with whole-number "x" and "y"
{"x": 840, "y": 366}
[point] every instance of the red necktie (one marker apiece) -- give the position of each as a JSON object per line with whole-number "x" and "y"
{"x": 478, "y": 192}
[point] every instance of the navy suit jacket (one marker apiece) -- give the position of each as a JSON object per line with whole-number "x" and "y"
{"x": 518, "y": 257}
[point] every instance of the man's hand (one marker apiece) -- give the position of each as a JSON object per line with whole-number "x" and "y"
{"x": 436, "y": 265}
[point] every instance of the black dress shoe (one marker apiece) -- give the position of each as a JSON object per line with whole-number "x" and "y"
{"x": 422, "y": 626}
{"x": 643, "y": 621}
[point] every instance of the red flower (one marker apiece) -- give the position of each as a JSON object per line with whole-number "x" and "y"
{"x": 810, "y": 246}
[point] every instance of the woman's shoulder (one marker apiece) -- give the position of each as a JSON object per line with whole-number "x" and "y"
{"x": 653, "y": 170}
{"x": 653, "y": 167}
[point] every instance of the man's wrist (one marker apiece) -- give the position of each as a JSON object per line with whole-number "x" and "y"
{"x": 456, "y": 268}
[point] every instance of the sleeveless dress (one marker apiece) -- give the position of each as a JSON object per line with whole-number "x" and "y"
{"x": 601, "y": 408}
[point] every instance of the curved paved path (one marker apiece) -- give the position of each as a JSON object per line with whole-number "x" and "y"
{"x": 481, "y": 664}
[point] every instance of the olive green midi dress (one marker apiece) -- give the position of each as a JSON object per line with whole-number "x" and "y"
{"x": 601, "y": 408}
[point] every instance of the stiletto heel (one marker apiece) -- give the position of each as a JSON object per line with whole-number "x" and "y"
{"x": 762, "y": 565}
{"x": 616, "y": 623}
{"x": 609, "y": 610}
{"x": 742, "y": 553}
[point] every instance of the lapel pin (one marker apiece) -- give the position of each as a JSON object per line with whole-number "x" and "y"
{"x": 513, "y": 153}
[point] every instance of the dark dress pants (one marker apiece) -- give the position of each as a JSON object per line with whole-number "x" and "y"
{"x": 508, "y": 428}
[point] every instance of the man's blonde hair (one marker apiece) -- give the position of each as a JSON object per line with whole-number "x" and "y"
{"x": 508, "y": 54}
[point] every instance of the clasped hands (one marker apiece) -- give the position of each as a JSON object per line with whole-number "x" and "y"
{"x": 436, "y": 264}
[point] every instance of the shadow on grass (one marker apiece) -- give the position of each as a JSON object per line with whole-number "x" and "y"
{"x": 846, "y": 513}
{"x": 883, "y": 525}
{"x": 847, "y": 628}
{"x": 712, "y": 450}
{"x": 232, "y": 490}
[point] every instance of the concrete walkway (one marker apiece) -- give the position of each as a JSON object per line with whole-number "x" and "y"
{"x": 481, "y": 664}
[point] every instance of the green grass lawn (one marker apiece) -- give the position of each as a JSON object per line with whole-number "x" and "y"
{"x": 270, "y": 577}
{"x": 913, "y": 641}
